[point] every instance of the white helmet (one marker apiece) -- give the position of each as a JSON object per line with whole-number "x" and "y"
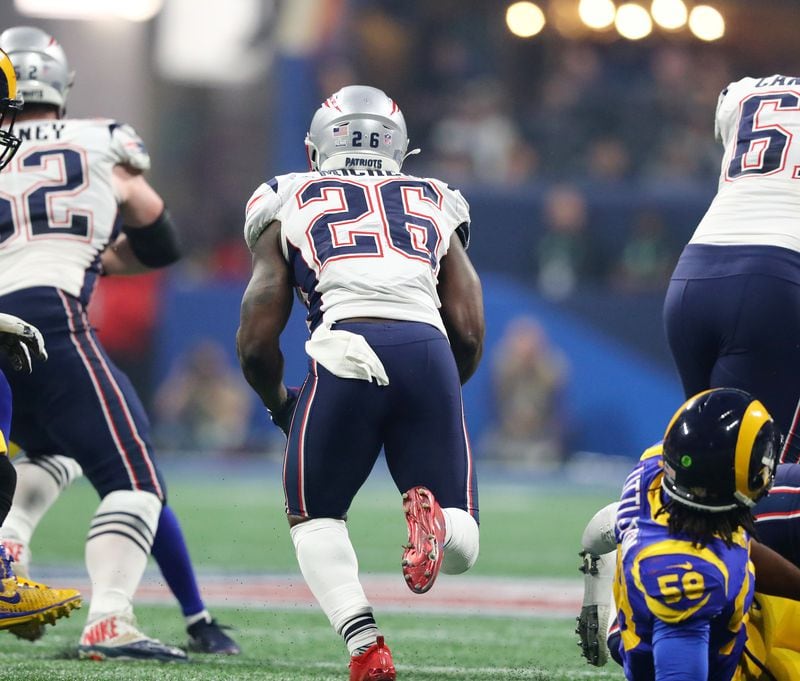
{"x": 358, "y": 127}
{"x": 43, "y": 74}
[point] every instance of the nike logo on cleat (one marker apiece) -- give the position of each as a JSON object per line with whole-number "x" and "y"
{"x": 13, "y": 600}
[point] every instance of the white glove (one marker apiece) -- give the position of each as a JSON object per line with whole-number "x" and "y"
{"x": 20, "y": 340}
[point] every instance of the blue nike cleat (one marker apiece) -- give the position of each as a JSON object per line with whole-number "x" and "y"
{"x": 210, "y": 637}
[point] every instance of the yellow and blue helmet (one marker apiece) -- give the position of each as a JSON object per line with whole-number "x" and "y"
{"x": 720, "y": 451}
{"x": 9, "y": 106}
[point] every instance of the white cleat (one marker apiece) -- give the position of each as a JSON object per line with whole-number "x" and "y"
{"x": 598, "y": 611}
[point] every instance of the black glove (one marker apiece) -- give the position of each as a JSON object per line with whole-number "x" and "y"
{"x": 282, "y": 416}
{"x": 21, "y": 342}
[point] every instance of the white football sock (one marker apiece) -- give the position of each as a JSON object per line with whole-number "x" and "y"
{"x": 598, "y": 536}
{"x": 330, "y": 568}
{"x": 462, "y": 541}
{"x": 117, "y": 549}
{"x": 203, "y": 616}
{"x": 39, "y": 484}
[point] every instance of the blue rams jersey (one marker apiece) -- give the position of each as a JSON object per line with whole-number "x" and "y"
{"x": 666, "y": 577}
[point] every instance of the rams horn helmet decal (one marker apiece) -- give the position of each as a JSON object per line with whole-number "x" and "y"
{"x": 9, "y": 106}
{"x": 720, "y": 451}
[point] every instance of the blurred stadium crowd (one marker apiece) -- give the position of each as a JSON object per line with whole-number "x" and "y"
{"x": 575, "y": 129}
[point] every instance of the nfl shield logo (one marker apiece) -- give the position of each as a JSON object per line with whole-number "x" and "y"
{"x": 387, "y": 138}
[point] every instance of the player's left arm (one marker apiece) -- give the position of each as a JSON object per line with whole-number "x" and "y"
{"x": 680, "y": 652}
{"x": 460, "y": 291}
{"x": 265, "y": 310}
{"x": 148, "y": 239}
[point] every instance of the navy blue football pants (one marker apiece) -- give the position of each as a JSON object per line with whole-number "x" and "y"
{"x": 340, "y": 425}
{"x": 78, "y": 403}
{"x": 732, "y": 319}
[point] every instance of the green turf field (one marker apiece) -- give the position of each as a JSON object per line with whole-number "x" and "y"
{"x": 234, "y": 524}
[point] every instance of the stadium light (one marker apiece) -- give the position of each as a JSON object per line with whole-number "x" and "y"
{"x": 633, "y": 21}
{"x": 132, "y": 10}
{"x": 597, "y": 14}
{"x": 524, "y": 19}
{"x": 706, "y": 23}
{"x": 669, "y": 14}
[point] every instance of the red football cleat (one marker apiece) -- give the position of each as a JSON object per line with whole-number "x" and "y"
{"x": 422, "y": 557}
{"x": 374, "y": 664}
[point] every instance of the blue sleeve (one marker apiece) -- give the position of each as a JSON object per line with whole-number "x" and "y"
{"x": 680, "y": 652}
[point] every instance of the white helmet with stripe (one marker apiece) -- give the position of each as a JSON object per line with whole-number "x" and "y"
{"x": 358, "y": 127}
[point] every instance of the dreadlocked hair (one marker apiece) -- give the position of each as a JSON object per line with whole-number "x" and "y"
{"x": 704, "y": 526}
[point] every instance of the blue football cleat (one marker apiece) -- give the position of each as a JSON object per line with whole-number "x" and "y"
{"x": 210, "y": 637}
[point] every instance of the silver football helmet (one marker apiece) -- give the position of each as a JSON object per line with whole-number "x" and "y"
{"x": 358, "y": 127}
{"x": 43, "y": 73}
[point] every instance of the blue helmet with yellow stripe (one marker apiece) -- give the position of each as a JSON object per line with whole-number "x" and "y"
{"x": 9, "y": 106}
{"x": 720, "y": 451}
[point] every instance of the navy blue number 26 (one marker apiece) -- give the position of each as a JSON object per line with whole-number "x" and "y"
{"x": 42, "y": 223}
{"x": 412, "y": 234}
{"x": 761, "y": 149}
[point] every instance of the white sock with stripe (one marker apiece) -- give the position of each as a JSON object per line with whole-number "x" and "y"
{"x": 117, "y": 549}
{"x": 329, "y": 565}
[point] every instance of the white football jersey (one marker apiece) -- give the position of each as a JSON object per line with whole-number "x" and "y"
{"x": 57, "y": 202}
{"x": 758, "y": 199}
{"x": 362, "y": 243}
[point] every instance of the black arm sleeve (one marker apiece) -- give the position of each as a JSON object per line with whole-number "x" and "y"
{"x": 155, "y": 245}
{"x": 463, "y": 234}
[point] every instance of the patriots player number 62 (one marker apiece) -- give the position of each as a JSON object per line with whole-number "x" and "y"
{"x": 343, "y": 228}
{"x": 37, "y": 202}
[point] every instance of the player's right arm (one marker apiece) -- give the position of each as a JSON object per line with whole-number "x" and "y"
{"x": 462, "y": 307}
{"x": 149, "y": 239}
{"x": 265, "y": 310}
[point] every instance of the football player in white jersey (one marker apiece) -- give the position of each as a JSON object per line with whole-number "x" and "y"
{"x": 732, "y": 309}
{"x": 74, "y": 205}
{"x": 396, "y": 318}
{"x": 23, "y": 603}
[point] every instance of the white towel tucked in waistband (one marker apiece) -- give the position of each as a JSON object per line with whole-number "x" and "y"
{"x": 346, "y": 355}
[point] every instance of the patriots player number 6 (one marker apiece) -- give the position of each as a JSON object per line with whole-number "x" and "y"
{"x": 357, "y": 220}
{"x": 68, "y": 170}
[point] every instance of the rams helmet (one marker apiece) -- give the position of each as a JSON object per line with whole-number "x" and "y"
{"x": 9, "y": 106}
{"x": 720, "y": 451}
{"x": 43, "y": 73}
{"x": 358, "y": 127}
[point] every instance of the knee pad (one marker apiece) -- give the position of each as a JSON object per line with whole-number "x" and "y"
{"x": 598, "y": 537}
{"x": 131, "y": 513}
{"x": 463, "y": 541}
